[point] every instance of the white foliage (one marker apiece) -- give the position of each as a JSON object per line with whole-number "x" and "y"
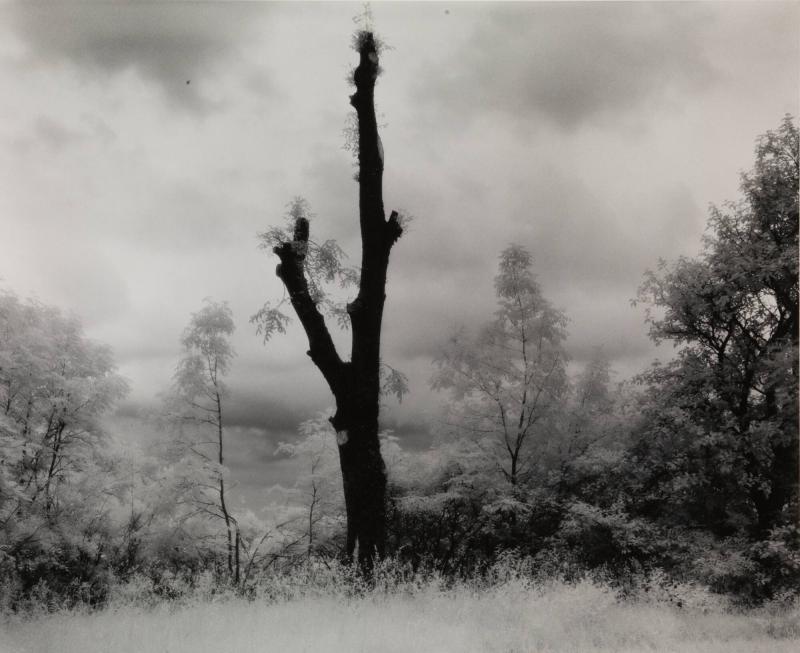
{"x": 508, "y": 382}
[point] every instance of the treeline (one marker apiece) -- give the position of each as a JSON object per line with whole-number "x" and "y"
{"x": 688, "y": 470}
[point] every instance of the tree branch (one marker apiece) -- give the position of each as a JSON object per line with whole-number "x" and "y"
{"x": 290, "y": 270}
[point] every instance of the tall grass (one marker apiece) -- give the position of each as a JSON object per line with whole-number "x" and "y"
{"x": 327, "y": 609}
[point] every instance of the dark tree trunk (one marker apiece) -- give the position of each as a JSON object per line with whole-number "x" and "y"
{"x": 355, "y": 384}
{"x": 237, "y": 565}
{"x": 783, "y": 471}
{"x": 770, "y": 503}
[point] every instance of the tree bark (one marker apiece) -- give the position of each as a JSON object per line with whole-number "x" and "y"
{"x": 237, "y": 566}
{"x": 355, "y": 384}
{"x": 783, "y": 471}
{"x": 222, "y": 504}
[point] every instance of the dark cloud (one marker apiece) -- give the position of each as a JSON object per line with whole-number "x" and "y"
{"x": 180, "y": 46}
{"x": 413, "y": 431}
{"x": 254, "y": 483}
{"x": 250, "y": 447}
{"x": 249, "y": 453}
{"x": 258, "y": 397}
{"x": 275, "y": 415}
{"x": 572, "y": 62}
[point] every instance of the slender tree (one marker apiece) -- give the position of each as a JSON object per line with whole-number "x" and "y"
{"x": 509, "y": 382}
{"x": 355, "y": 384}
{"x": 198, "y": 398}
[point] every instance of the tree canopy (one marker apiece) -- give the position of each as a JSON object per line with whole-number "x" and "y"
{"x": 509, "y": 380}
{"x": 726, "y": 408}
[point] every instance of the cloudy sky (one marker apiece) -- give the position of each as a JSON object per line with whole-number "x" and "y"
{"x": 144, "y": 144}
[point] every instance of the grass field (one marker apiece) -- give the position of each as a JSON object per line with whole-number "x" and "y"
{"x": 508, "y": 618}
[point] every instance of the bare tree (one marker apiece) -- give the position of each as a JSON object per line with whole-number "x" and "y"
{"x": 355, "y": 384}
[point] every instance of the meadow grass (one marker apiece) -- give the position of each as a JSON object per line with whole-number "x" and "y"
{"x": 509, "y": 617}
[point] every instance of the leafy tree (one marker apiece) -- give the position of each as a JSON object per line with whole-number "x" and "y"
{"x": 54, "y": 386}
{"x": 509, "y": 392}
{"x": 196, "y": 403}
{"x": 355, "y": 384}
{"x": 509, "y": 381}
{"x": 720, "y": 435}
{"x": 55, "y": 463}
{"x": 590, "y": 437}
